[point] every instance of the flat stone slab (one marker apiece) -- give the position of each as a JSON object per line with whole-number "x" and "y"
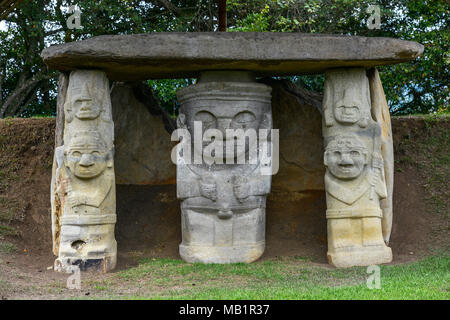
{"x": 184, "y": 55}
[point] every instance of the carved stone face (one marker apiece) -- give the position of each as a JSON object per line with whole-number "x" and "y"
{"x": 347, "y": 111}
{"x": 223, "y": 115}
{"x": 84, "y": 105}
{"x": 87, "y": 156}
{"x": 346, "y": 157}
{"x": 347, "y": 97}
{"x": 87, "y": 96}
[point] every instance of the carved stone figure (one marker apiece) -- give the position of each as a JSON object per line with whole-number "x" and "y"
{"x": 88, "y": 162}
{"x": 355, "y": 177}
{"x": 223, "y": 204}
{"x": 346, "y": 98}
{"x": 83, "y": 189}
{"x": 88, "y": 104}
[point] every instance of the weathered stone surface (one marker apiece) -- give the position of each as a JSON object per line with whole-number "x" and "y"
{"x": 355, "y": 177}
{"x": 180, "y": 55}
{"x": 142, "y": 144}
{"x": 223, "y": 204}
{"x": 63, "y": 83}
{"x": 83, "y": 185}
{"x": 55, "y": 204}
{"x": 380, "y": 111}
{"x": 296, "y": 113}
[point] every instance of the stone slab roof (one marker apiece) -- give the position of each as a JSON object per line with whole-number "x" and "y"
{"x": 181, "y": 55}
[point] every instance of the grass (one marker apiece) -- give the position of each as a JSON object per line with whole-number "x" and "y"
{"x": 7, "y": 247}
{"x": 6, "y": 230}
{"x": 286, "y": 279}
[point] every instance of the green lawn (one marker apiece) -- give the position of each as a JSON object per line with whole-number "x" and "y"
{"x": 287, "y": 278}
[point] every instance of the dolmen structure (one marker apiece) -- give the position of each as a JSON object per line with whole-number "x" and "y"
{"x": 223, "y": 180}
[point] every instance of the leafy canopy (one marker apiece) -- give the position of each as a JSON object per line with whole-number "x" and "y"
{"x": 27, "y": 88}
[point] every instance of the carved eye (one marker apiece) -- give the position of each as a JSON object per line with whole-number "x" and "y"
{"x": 244, "y": 117}
{"x": 206, "y": 117}
{"x": 95, "y": 153}
{"x": 337, "y": 153}
{"x": 76, "y": 154}
{"x": 354, "y": 153}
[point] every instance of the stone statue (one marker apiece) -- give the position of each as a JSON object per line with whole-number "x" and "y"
{"x": 84, "y": 186}
{"x": 355, "y": 178}
{"x": 223, "y": 203}
{"x": 89, "y": 166}
{"x": 88, "y": 104}
{"x": 346, "y": 98}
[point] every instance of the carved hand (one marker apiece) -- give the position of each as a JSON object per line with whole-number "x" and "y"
{"x": 241, "y": 188}
{"x": 377, "y": 161}
{"x": 75, "y": 200}
{"x": 377, "y": 165}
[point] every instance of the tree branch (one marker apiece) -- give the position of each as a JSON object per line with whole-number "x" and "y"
{"x": 21, "y": 93}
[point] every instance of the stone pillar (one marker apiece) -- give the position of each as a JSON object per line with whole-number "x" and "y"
{"x": 355, "y": 171}
{"x": 380, "y": 112}
{"x": 223, "y": 205}
{"x": 83, "y": 183}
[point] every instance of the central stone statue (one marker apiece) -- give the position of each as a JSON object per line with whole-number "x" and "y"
{"x": 223, "y": 202}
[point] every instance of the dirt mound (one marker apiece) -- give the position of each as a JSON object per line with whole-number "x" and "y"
{"x": 149, "y": 216}
{"x": 26, "y": 156}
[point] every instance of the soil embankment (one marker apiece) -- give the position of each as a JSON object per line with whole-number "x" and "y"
{"x": 149, "y": 216}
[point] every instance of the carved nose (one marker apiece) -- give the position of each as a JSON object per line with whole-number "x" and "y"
{"x": 86, "y": 105}
{"x": 346, "y": 159}
{"x": 225, "y": 214}
{"x": 86, "y": 160}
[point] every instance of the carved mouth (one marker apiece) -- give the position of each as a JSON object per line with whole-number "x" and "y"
{"x": 85, "y": 172}
{"x": 346, "y": 167}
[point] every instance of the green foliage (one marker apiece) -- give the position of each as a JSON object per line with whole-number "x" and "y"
{"x": 23, "y": 76}
{"x": 165, "y": 89}
{"x": 420, "y": 86}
